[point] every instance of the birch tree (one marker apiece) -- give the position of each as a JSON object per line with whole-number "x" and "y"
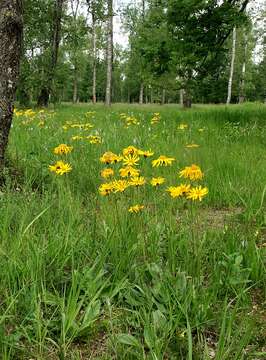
{"x": 229, "y": 91}
{"x": 11, "y": 31}
{"x": 109, "y": 54}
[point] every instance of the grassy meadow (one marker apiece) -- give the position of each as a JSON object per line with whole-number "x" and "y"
{"x": 82, "y": 277}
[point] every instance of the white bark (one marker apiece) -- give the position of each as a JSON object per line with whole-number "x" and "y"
{"x": 181, "y": 101}
{"x": 109, "y": 53}
{"x": 94, "y": 70}
{"x": 229, "y": 92}
{"x": 141, "y": 94}
{"x": 243, "y": 72}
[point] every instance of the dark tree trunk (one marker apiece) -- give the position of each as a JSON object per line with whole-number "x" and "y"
{"x": 11, "y": 31}
{"x": 187, "y": 102}
{"x": 46, "y": 90}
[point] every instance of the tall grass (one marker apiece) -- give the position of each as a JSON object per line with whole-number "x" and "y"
{"x": 82, "y": 278}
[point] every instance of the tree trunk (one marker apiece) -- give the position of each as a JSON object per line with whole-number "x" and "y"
{"x": 163, "y": 97}
{"x": 141, "y": 94}
{"x": 229, "y": 92}
{"x": 187, "y": 102}
{"x": 181, "y": 99}
{"x": 11, "y": 31}
{"x": 75, "y": 85}
{"x": 94, "y": 70}
{"x": 46, "y": 90}
{"x": 109, "y": 54}
{"x": 243, "y": 72}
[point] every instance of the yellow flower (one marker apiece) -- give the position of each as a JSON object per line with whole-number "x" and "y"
{"x": 94, "y": 139}
{"x": 107, "y": 172}
{"x": 60, "y": 168}
{"x": 197, "y": 193}
{"x": 157, "y": 181}
{"x": 155, "y": 118}
{"x": 131, "y": 120}
{"x": 77, "y": 137}
{"x": 130, "y": 150}
{"x": 128, "y": 171}
{"x": 162, "y": 161}
{"x": 120, "y": 185}
{"x": 146, "y": 154}
{"x": 110, "y": 158}
{"x": 192, "y": 172}
{"x": 131, "y": 160}
{"x": 182, "y": 126}
{"x": 41, "y": 123}
{"x": 137, "y": 181}
{"x": 136, "y": 208}
{"x": 177, "y": 191}
{"x": 192, "y": 146}
{"x": 29, "y": 113}
{"x": 62, "y": 149}
{"x": 106, "y": 189}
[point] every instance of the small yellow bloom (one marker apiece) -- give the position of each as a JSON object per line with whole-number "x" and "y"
{"x": 146, "y": 154}
{"x": 192, "y": 172}
{"x": 157, "y": 181}
{"x": 182, "y": 126}
{"x": 76, "y": 137}
{"x": 162, "y": 161}
{"x": 130, "y": 150}
{"x": 137, "y": 181}
{"x": 110, "y": 158}
{"x": 60, "y": 168}
{"x": 107, "y": 172}
{"x": 128, "y": 171}
{"x": 41, "y": 123}
{"x": 192, "y": 146}
{"x": 94, "y": 139}
{"x": 131, "y": 160}
{"x": 63, "y": 149}
{"x": 197, "y": 193}
{"x": 155, "y": 118}
{"x": 135, "y": 209}
{"x": 106, "y": 189}
{"x": 120, "y": 185}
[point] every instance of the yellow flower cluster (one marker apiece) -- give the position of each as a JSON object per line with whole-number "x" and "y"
{"x": 63, "y": 149}
{"x": 136, "y": 208}
{"x": 129, "y": 120}
{"x": 61, "y": 167}
{"x": 110, "y": 158}
{"x": 192, "y": 173}
{"x": 156, "y": 117}
{"x": 69, "y": 125}
{"x": 94, "y": 139}
{"x": 129, "y": 173}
